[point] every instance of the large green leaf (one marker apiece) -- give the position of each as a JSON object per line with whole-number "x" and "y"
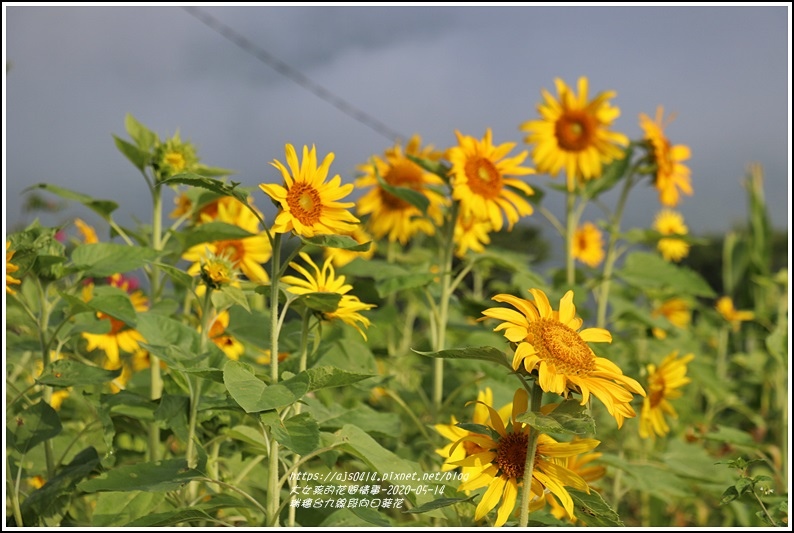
{"x": 568, "y": 417}
{"x": 212, "y": 232}
{"x": 325, "y": 377}
{"x": 139, "y": 158}
{"x": 68, "y": 373}
{"x": 33, "y": 425}
{"x": 645, "y": 270}
{"x": 119, "y": 508}
{"x": 479, "y": 353}
{"x": 336, "y": 241}
{"x": 324, "y": 302}
{"x": 103, "y": 259}
{"x": 101, "y": 207}
{"x": 161, "y": 476}
{"x": 56, "y": 495}
{"x": 335, "y": 416}
{"x": 254, "y": 395}
{"x": 299, "y": 433}
{"x": 144, "y": 137}
{"x": 592, "y": 510}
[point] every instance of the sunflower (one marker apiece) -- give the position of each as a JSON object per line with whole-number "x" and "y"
{"x": 453, "y": 433}
{"x": 573, "y": 133}
{"x": 246, "y": 254}
{"x": 677, "y": 311}
{"x": 326, "y": 280}
{"x": 480, "y": 180}
{"x": 139, "y": 360}
{"x": 498, "y": 458}
{"x": 121, "y": 337}
{"x": 664, "y": 383}
{"x": 340, "y": 256}
{"x": 672, "y": 175}
{"x": 579, "y": 464}
{"x": 550, "y": 343}
{"x": 726, "y": 308}
{"x": 390, "y": 215}
{"x": 669, "y": 222}
{"x": 174, "y": 156}
{"x": 309, "y": 205}
{"x": 471, "y": 233}
{"x": 10, "y": 269}
{"x": 588, "y": 244}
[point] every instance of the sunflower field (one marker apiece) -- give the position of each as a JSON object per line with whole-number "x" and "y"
{"x": 386, "y": 350}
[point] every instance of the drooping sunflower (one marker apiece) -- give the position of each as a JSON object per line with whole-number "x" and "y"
{"x": 676, "y": 310}
{"x": 672, "y": 176}
{"x": 664, "y": 384}
{"x": 669, "y": 222}
{"x": 246, "y": 254}
{"x": 481, "y": 180}
{"x": 121, "y": 337}
{"x": 325, "y": 280}
{"x": 588, "y": 244}
{"x": 10, "y": 269}
{"x": 726, "y": 308}
{"x": 499, "y": 457}
{"x": 389, "y": 215}
{"x": 550, "y": 343}
{"x": 309, "y": 205}
{"x": 573, "y": 133}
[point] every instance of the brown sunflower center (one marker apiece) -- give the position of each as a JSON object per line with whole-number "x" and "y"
{"x": 511, "y": 455}
{"x": 401, "y": 174}
{"x": 656, "y": 390}
{"x": 564, "y": 348}
{"x": 483, "y": 177}
{"x": 575, "y": 130}
{"x": 304, "y": 203}
{"x": 233, "y": 250}
{"x": 664, "y": 157}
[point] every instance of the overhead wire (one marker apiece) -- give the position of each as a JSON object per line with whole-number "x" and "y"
{"x": 293, "y": 74}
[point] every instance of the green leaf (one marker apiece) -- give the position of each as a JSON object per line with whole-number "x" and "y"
{"x": 406, "y": 194}
{"x": 171, "y": 518}
{"x": 480, "y": 353}
{"x": 479, "y": 428}
{"x": 143, "y": 136}
{"x": 33, "y": 425}
{"x": 729, "y": 495}
{"x": 592, "y": 510}
{"x": 434, "y": 167}
{"x": 162, "y": 476}
{"x": 300, "y": 433}
{"x": 379, "y": 459}
{"x": 139, "y": 158}
{"x": 568, "y": 417}
{"x": 438, "y": 504}
{"x": 344, "y": 242}
{"x": 177, "y": 275}
{"x": 103, "y": 259}
{"x": 254, "y": 395}
{"x": 119, "y": 508}
{"x": 251, "y": 437}
{"x": 610, "y": 175}
{"x": 731, "y": 436}
{"x": 228, "y": 296}
{"x": 101, "y": 207}
{"x": 324, "y": 302}
{"x": 645, "y": 270}
{"x": 68, "y": 373}
{"x": 211, "y": 232}
{"x": 335, "y": 416}
{"x": 211, "y": 184}
{"x": 112, "y": 301}
{"x": 326, "y": 377}
{"x": 172, "y": 413}
{"x": 389, "y": 286}
{"x": 371, "y": 516}
{"x": 56, "y": 495}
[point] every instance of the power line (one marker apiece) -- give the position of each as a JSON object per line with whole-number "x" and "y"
{"x": 293, "y": 74}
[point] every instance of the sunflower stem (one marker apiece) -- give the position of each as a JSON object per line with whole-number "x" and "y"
{"x": 155, "y": 378}
{"x": 304, "y": 351}
{"x": 570, "y": 231}
{"x": 46, "y": 393}
{"x": 612, "y": 255}
{"x": 273, "y": 487}
{"x": 443, "y": 310}
{"x": 722, "y": 353}
{"x": 534, "y": 406}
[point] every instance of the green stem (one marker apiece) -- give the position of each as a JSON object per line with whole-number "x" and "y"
{"x": 763, "y": 508}
{"x": 304, "y": 351}
{"x": 13, "y": 489}
{"x": 273, "y": 487}
{"x": 46, "y": 393}
{"x": 235, "y": 489}
{"x": 570, "y": 231}
{"x": 391, "y": 302}
{"x": 155, "y": 378}
{"x": 534, "y": 406}
{"x": 722, "y": 354}
{"x": 393, "y": 395}
{"x": 443, "y": 308}
{"x": 195, "y": 383}
{"x": 612, "y": 255}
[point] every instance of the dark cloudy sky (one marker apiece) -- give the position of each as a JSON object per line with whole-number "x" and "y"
{"x": 76, "y": 71}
